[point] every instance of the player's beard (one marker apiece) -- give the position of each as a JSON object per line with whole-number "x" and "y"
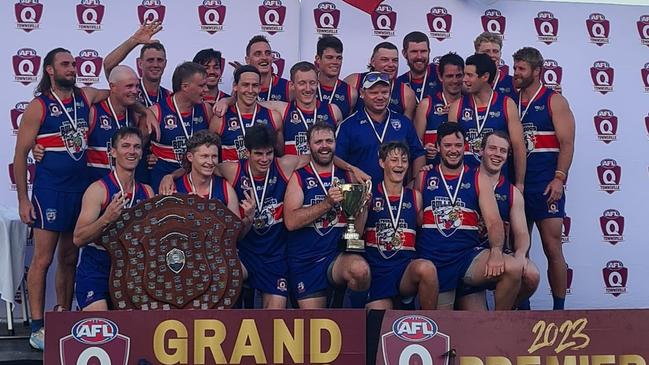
{"x": 322, "y": 161}
{"x": 450, "y": 166}
{"x": 65, "y": 83}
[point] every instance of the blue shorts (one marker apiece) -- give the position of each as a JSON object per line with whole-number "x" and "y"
{"x": 55, "y": 210}
{"x": 267, "y": 276}
{"x": 537, "y": 207}
{"x": 91, "y": 279}
{"x": 386, "y": 280}
{"x": 309, "y": 279}
{"x": 451, "y": 275}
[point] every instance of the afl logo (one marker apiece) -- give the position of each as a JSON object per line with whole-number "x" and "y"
{"x": 94, "y": 331}
{"x": 547, "y": 27}
{"x": 26, "y": 63}
{"x": 211, "y": 16}
{"x": 272, "y": 14}
{"x": 384, "y": 20}
{"x": 598, "y": 28}
{"x": 414, "y": 328}
{"x": 439, "y": 23}
{"x": 602, "y": 75}
{"x": 494, "y": 22}
{"x": 326, "y": 18}
{"x": 151, "y": 11}
{"x": 90, "y": 14}
{"x": 28, "y": 14}
{"x": 643, "y": 29}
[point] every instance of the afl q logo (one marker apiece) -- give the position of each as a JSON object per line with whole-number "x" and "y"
{"x": 384, "y": 21}
{"x": 327, "y": 18}
{"x": 151, "y": 11}
{"x": 212, "y": 16}
{"x": 494, "y": 22}
{"x": 90, "y": 13}
{"x": 598, "y": 28}
{"x": 272, "y": 15}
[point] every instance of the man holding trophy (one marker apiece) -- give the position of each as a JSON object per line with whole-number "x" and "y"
{"x": 390, "y": 225}
{"x": 315, "y": 224}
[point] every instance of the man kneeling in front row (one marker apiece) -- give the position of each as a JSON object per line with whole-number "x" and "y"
{"x": 102, "y": 204}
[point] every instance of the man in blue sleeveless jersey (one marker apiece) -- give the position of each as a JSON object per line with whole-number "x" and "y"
{"x": 483, "y": 110}
{"x": 433, "y": 108}
{"x": 57, "y": 119}
{"x": 211, "y": 60}
{"x": 102, "y": 204}
{"x": 390, "y": 230}
{"x": 455, "y": 200}
{"x": 315, "y": 225}
{"x": 491, "y": 44}
{"x": 549, "y": 128}
{"x": 260, "y": 55}
{"x": 331, "y": 89}
{"x": 422, "y": 77}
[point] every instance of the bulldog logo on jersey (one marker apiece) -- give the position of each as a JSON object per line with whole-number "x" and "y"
{"x": 385, "y": 235}
{"x": 26, "y": 63}
{"x": 448, "y": 218}
{"x": 598, "y": 28}
{"x": 602, "y": 75}
{"x": 265, "y": 218}
{"x": 643, "y": 29}
{"x": 494, "y": 22}
{"x": 551, "y": 73}
{"x": 16, "y": 115}
{"x": 28, "y": 14}
{"x": 327, "y": 18}
{"x": 609, "y": 174}
{"x": 74, "y": 139}
{"x": 272, "y": 15}
{"x": 324, "y": 224}
{"x": 301, "y": 144}
{"x": 179, "y": 146}
{"x": 565, "y": 229}
{"x": 384, "y": 21}
{"x": 278, "y": 63}
{"x": 439, "y": 23}
{"x": 89, "y": 65}
{"x": 151, "y": 11}
{"x": 612, "y": 224}
{"x": 212, "y": 16}
{"x": 240, "y": 147}
{"x": 645, "y": 77}
{"x": 606, "y": 126}
{"x": 90, "y": 13}
{"x": 615, "y": 277}
{"x": 547, "y": 27}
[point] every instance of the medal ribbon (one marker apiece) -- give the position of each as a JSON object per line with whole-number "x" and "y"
{"x": 520, "y": 101}
{"x": 317, "y": 176}
{"x": 382, "y": 136}
{"x": 451, "y": 196}
{"x": 479, "y": 125}
{"x": 241, "y": 122}
{"x": 146, "y": 95}
{"x": 194, "y": 190}
{"x": 393, "y": 219}
{"x": 110, "y": 106}
{"x": 423, "y": 85}
{"x": 260, "y": 202}
{"x": 121, "y": 189}
{"x": 182, "y": 121}
{"x": 333, "y": 92}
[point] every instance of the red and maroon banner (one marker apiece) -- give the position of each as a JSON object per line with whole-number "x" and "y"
{"x": 206, "y": 337}
{"x": 518, "y": 338}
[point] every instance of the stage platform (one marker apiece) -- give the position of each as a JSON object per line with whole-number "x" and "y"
{"x": 15, "y": 349}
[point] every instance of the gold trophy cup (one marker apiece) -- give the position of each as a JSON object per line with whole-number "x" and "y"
{"x": 354, "y": 199}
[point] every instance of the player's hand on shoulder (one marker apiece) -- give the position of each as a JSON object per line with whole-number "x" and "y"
{"x": 167, "y": 185}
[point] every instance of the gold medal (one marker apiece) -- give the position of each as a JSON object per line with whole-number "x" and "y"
{"x": 396, "y": 240}
{"x": 259, "y": 223}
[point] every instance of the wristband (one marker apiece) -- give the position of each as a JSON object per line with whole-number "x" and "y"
{"x": 560, "y": 175}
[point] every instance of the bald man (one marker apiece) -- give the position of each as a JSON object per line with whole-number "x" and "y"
{"x": 110, "y": 115}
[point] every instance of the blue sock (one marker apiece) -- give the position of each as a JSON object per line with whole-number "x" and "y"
{"x": 37, "y": 324}
{"x": 558, "y": 302}
{"x": 524, "y": 305}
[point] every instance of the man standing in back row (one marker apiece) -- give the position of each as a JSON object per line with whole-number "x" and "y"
{"x": 549, "y": 136}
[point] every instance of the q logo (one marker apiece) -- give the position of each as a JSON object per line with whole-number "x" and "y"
{"x": 609, "y": 174}
{"x": 612, "y": 225}
{"x": 327, "y": 18}
{"x": 384, "y": 21}
{"x": 602, "y": 75}
{"x": 16, "y": 115}
{"x": 151, "y": 11}
{"x": 552, "y": 73}
{"x": 272, "y": 15}
{"x": 278, "y": 63}
{"x": 547, "y": 27}
{"x": 28, "y": 14}
{"x": 212, "y": 16}
{"x": 26, "y": 63}
{"x": 494, "y": 22}
{"x": 412, "y": 336}
{"x": 615, "y": 277}
{"x": 606, "y": 126}
{"x": 565, "y": 229}
{"x": 90, "y": 14}
{"x": 598, "y": 28}
{"x": 439, "y": 23}
{"x": 31, "y": 174}
{"x": 89, "y": 65}
{"x": 643, "y": 29}
{"x": 645, "y": 77}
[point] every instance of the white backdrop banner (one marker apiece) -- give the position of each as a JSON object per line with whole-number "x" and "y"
{"x": 598, "y": 53}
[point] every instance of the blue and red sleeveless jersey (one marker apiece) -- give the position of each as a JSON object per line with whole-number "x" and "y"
{"x": 232, "y": 146}
{"x": 504, "y": 193}
{"x": 435, "y": 115}
{"x": 100, "y": 135}
{"x": 505, "y": 85}
{"x": 295, "y": 131}
{"x": 171, "y": 147}
{"x": 267, "y": 237}
{"x": 342, "y": 96}
{"x": 448, "y": 230}
{"x": 496, "y": 120}
{"x": 211, "y": 100}
{"x": 432, "y": 83}
{"x": 541, "y": 142}
{"x": 112, "y": 187}
{"x": 219, "y": 187}
{"x": 320, "y": 238}
{"x": 149, "y": 99}
{"x": 379, "y": 229}
{"x": 278, "y": 91}
{"x": 63, "y": 167}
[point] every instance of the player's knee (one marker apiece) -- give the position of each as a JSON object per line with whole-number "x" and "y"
{"x": 69, "y": 260}
{"x": 425, "y": 271}
{"x": 531, "y": 277}
{"x": 513, "y": 268}
{"x": 40, "y": 262}
{"x": 359, "y": 271}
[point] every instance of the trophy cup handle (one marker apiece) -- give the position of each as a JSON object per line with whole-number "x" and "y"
{"x": 366, "y": 192}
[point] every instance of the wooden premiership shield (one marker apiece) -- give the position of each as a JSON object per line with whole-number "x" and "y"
{"x": 173, "y": 252}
